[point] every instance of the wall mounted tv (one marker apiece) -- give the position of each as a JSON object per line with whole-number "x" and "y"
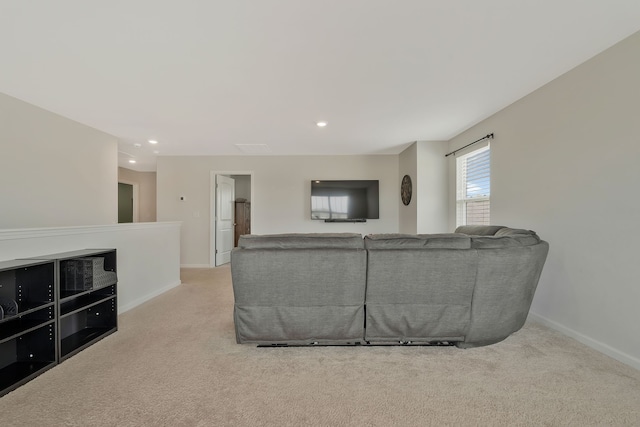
{"x": 345, "y": 201}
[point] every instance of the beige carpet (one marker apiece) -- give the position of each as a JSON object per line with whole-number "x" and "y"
{"x": 174, "y": 362}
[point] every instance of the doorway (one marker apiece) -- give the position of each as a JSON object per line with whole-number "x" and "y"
{"x": 226, "y": 188}
{"x": 127, "y": 202}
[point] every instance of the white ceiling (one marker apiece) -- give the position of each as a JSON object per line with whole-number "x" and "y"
{"x": 202, "y": 76}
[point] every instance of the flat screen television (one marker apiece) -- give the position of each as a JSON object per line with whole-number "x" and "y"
{"x": 347, "y": 200}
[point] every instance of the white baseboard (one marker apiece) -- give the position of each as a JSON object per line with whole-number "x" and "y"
{"x": 195, "y": 266}
{"x": 596, "y": 345}
{"x": 147, "y": 297}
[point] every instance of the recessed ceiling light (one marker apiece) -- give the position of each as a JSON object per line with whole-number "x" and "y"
{"x": 132, "y": 161}
{"x": 321, "y": 124}
{"x": 153, "y": 141}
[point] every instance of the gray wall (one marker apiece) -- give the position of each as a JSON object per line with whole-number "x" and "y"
{"x": 281, "y": 202}
{"x": 565, "y": 162}
{"x": 54, "y": 171}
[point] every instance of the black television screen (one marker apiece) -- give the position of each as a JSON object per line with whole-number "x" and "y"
{"x": 345, "y": 200}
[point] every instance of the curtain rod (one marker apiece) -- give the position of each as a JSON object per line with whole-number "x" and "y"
{"x": 489, "y": 136}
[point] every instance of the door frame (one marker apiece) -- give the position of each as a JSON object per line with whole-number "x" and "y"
{"x": 212, "y": 208}
{"x": 136, "y": 187}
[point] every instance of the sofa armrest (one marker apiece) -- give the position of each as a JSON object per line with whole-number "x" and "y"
{"x": 505, "y": 284}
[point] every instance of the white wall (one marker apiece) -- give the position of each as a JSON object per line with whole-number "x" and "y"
{"x": 565, "y": 163}
{"x": 281, "y": 201}
{"x": 148, "y": 253}
{"x": 408, "y": 215}
{"x": 54, "y": 171}
{"x": 427, "y": 212}
{"x": 431, "y": 187}
{"x": 243, "y": 186}
{"x": 59, "y": 173}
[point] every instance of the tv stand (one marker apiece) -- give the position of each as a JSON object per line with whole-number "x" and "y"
{"x": 346, "y": 220}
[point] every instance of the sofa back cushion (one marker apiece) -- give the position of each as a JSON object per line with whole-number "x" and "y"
{"x": 479, "y": 230}
{"x": 299, "y": 296}
{"x": 497, "y": 236}
{"x": 497, "y": 242}
{"x": 420, "y": 241}
{"x": 506, "y": 238}
{"x": 506, "y": 231}
{"x": 302, "y": 241}
{"x": 419, "y": 294}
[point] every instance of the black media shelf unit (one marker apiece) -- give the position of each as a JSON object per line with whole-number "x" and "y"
{"x": 85, "y": 314}
{"x": 50, "y": 310}
{"x": 28, "y": 333}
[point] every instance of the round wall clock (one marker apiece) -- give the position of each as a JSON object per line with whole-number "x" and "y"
{"x": 406, "y": 190}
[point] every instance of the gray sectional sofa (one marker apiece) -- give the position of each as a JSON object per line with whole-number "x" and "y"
{"x": 470, "y": 288}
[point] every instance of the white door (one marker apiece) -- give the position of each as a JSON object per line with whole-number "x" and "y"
{"x": 225, "y": 195}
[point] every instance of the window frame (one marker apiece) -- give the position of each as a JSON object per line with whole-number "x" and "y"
{"x": 462, "y": 199}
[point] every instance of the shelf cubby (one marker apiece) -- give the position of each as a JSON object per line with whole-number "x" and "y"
{"x": 27, "y": 355}
{"x": 71, "y": 304}
{"x": 31, "y": 285}
{"x": 14, "y": 326}
{"x": 83, "y": 327}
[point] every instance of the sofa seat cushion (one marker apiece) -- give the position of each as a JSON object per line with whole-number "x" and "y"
{"x": 301, "y": 241}
{"x": 420, "y": 241}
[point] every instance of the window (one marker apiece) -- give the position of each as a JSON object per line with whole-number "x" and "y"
{"x": 473, "y": 184}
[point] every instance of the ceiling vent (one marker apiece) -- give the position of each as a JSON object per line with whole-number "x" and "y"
{"x": 254, "y": 148}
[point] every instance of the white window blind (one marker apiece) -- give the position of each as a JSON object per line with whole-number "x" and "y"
{"x": 473, "y": 188}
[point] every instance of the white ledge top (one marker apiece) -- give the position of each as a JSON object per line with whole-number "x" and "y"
{"x": 29, "y": 233}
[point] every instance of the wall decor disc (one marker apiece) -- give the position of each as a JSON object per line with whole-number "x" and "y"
{"x": 406, "y": 190}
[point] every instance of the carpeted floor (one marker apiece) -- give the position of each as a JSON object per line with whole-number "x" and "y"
{"x": 174, "y": 362}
